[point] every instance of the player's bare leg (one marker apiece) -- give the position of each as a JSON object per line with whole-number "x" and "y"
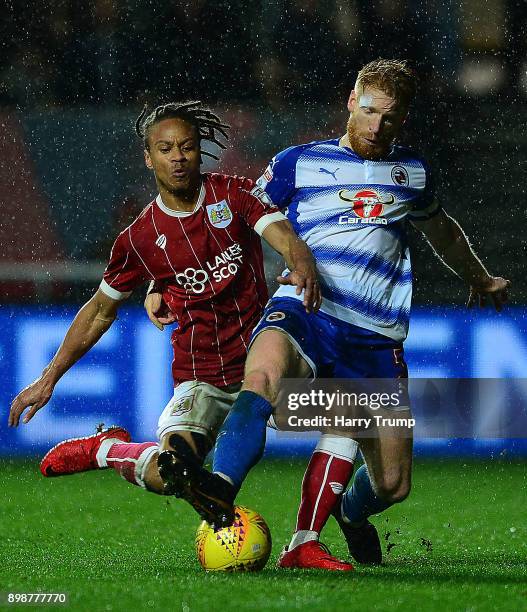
{"x": 246, "y": 423}
{"x": 152, "y": 479}
{"x": 263, "y": 377}
{"x": 213, "y": 495}
{"x": 197, "y": 444}
{"x": 262, "y": 374}
{"x": 382, "y": 482}
{"x": 138, "y": 462}
{"x": 389, "y": 461}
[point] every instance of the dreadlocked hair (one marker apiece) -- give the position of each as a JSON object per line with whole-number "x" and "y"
{"x": 207, "y": 123}
{"x": 394, "y": 77}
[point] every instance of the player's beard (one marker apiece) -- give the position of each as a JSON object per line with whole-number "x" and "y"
{"x": 365, "y": 150}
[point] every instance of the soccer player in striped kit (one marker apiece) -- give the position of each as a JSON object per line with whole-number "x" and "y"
{"x": 350, "y": 199}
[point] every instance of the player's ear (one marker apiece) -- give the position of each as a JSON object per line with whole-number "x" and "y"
{"x": 148, "y": 160}
{"x": 352, "y": 101}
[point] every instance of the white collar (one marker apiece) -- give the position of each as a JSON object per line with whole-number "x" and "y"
{"x": 182, "y": 213}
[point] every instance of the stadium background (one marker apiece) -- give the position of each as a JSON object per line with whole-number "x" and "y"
{"x": 74, "y": 76}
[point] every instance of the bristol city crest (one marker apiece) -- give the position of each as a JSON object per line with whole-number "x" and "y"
{"x": 367, "y": 203}
{"x": 219, "y": 214}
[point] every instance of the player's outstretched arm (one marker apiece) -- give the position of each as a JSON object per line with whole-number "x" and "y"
{"x": 92, "y": 320}
{"x": 451, "y": 244}
{"x": 299, "y": 260}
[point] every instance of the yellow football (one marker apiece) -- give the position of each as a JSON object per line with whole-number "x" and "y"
{"x": 244, "y": 547}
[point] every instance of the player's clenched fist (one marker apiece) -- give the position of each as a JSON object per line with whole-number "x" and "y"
{"x": 34, "y": 396}
{"x": 157, "y": 310}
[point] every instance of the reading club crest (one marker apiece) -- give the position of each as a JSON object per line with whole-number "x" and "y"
{"x": 400, "y": 176}
{"x": 219, "y": 214}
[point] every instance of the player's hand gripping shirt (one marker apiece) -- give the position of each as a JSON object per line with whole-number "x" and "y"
{"x": 352, "y": 213}
{"x": 211, "y": 266}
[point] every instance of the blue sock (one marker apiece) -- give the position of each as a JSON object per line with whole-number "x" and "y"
{"x": 360, "y": 501}
{"x": 241, "y": 440}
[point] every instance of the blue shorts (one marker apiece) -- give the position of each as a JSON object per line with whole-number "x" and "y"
{"x": 334, "y": 348}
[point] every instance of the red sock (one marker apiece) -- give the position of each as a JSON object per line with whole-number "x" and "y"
{"x": 130, "y": 460}
{"x": 325, "y": 479}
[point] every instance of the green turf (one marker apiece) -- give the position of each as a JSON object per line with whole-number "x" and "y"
{"x": 459, "y": 544}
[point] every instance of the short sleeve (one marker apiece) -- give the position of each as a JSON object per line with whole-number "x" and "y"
{"x": 425, "y": 205}
{"x": 254, "y": 205}
{"x": 278, "y": 180}
{"x": 124, "y": 271}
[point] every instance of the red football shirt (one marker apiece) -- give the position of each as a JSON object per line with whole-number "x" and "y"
{"x": 211, "y": 265}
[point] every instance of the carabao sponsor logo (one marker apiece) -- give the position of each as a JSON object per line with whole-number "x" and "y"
{"x": 367, "y": 207}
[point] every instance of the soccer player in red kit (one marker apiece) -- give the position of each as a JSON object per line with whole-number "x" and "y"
{"x": 198, "y": 240}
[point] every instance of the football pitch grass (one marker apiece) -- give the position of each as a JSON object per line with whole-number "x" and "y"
{"x": 457, "y": 543}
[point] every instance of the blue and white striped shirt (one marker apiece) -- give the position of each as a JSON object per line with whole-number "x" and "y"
{"x": 352, "y": 214}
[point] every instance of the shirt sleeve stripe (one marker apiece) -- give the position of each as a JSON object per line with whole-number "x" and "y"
{"x": 113, "y": 293}
{"x": 266, "y": 220}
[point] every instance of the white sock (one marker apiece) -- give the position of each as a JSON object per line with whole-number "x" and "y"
{"x": 301, "y": 537}
{"x": 104, "y": 448}
{"x": 340, "y": 446}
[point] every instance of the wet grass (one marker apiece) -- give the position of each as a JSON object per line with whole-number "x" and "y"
{"x": 458, "y": 543}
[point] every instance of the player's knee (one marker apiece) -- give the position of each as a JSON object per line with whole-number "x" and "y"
{"x": 393, "y": 488}
{"x": 263, "y": 381}
{"x": 401, "y": 493}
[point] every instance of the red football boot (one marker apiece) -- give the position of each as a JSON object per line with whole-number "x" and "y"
{"x": 312, "y": 555}
{"x": 79, "y": 454}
